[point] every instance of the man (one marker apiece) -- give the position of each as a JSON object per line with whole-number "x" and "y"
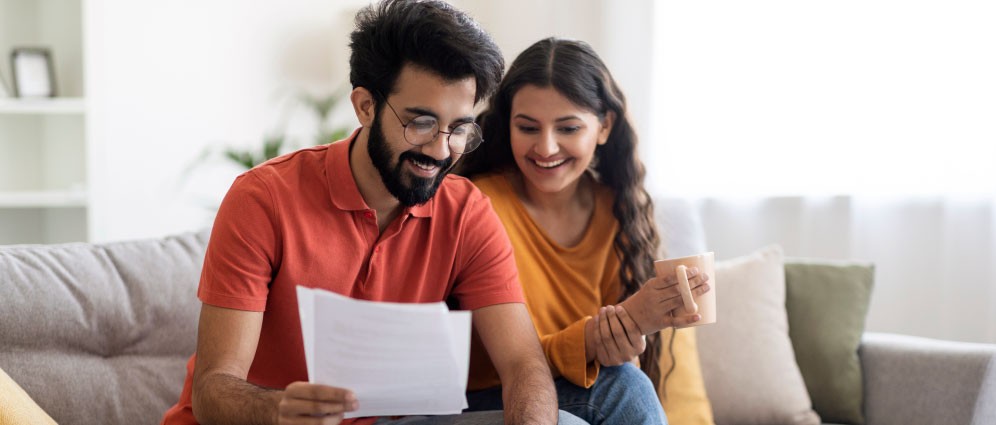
{"x": 372, "y": 217}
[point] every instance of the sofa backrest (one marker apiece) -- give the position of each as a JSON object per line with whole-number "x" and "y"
{"x": 100, "y": 334}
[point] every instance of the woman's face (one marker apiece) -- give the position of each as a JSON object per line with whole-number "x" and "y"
{"x": 553, "y": 140}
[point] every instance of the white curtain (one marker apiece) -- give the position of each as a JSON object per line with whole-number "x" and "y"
{"x": 853, "y": 129}
{"x": 935, "y": 257}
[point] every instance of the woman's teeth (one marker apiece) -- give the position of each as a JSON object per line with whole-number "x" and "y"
{"x": 550, "y": 164}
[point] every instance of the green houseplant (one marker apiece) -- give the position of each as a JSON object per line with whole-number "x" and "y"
{"x": 275, "y": 144}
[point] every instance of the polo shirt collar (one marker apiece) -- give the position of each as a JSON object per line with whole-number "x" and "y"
{"x": 343, "y": 191}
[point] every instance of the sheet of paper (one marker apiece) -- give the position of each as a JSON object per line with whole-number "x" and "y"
{"x": 460, "y": 326}
{"x": 399, "y": 359}
{"x": 306, "y": 309}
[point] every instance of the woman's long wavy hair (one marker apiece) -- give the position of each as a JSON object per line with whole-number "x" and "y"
{"x": 576, "y": 72}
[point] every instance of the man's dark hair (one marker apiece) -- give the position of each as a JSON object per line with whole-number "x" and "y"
{"x": 430, "y": 34}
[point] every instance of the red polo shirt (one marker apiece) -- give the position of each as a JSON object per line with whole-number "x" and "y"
{"x": 300, "y": 220}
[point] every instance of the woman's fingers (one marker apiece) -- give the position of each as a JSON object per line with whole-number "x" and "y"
{"x": 608, "y": 340}
{"x": 618, "y": 330}
{"x": 672, "y": 279}
{"x": 700, "y": 290}
{"x": 601, "y": 355}
{"x": 632, "y": 330}
{"x": 682, "y": 321}
{"x": 698, "y": 285}
{"x": 701, "y": 279}
{"x": 672, "y": 303}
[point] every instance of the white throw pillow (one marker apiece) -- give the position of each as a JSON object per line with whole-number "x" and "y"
{"x": 747, "y": 360}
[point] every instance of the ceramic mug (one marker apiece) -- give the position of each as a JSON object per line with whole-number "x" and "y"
{"x": 705, "y": 304}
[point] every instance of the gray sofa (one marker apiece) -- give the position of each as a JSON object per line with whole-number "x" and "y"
{"x": 100, "y": 334}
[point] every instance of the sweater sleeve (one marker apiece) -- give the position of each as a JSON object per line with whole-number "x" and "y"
{"x": 565, "y": 350}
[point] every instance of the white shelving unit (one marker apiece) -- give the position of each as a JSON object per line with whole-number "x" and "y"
{"x": 43, "y": 199}
{"x": 51, "y": 106}
{"x": 43, "y": 143}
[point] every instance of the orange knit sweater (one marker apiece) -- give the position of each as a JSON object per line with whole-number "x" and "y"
{"x": 564, "y": 286}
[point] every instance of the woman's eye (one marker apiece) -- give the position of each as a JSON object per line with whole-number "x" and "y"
{"x": 570, "y": 130}
{"x": 528, "y": 129}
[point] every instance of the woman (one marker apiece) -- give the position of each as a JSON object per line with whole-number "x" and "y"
{"x": 560, "y": 166}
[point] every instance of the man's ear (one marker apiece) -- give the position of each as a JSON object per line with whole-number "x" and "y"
{"x": 364, "y": 105}
{"x": 607, "y": 123}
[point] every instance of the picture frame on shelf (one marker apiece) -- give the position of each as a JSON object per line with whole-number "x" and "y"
{"x": 33, "y": 72}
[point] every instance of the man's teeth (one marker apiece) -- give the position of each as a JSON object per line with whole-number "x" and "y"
{"x": 551, "y": 164}
{"x": 427, "y": 167}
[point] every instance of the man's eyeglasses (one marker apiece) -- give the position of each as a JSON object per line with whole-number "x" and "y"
{"x": 423, "y": 129}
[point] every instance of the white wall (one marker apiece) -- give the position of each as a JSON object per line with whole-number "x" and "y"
{"x": 166, "y": 80}
{"x": 621, "y": 32}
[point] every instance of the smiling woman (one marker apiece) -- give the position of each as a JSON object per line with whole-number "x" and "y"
{"x": 554, "y": 140}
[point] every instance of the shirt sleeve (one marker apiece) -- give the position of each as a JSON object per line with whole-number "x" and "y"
{"x": 565, "y": 350}
{"x": 241, "y": 253}
{"x": 487, "y": 274}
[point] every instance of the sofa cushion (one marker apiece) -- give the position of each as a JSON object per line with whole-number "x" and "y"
{"x": 747, "y": 360}
{"x": 683, "y": 393}
{"x": 17, "y": 407}
{"x": 101, "y": 329}
{"x": 827, "y": 303}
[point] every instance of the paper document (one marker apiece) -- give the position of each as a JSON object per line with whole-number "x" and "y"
{"x": 399, "y": 359}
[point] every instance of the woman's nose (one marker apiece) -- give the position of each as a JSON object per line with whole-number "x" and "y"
{"x": 547, "y": 145}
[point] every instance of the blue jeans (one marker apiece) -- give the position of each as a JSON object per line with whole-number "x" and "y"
{"x": 621, "y": 395}
{"x": 491, "y": 417}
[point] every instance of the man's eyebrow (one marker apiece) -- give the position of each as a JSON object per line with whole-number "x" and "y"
{"x": 415, "y": 110}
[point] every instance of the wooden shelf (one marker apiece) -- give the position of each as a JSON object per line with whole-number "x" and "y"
{"x": 42, "y": 199}
{"x": 56, "y": 105}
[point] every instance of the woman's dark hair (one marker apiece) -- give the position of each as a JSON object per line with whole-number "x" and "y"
{"x": 574, "y": 70}
{"x": 429, "y": 34}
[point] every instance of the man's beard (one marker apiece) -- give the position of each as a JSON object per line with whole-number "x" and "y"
{"x": 418, "y": 190}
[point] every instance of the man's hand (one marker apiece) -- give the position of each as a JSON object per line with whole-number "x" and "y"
{"x": 304, "y": 402}
{"x": 618, "y": 339}
{"x": 657, "y": 305}
{"x": 226, "y": 345}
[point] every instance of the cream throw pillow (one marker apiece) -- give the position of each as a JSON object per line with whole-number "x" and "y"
{"x": 17, "y": 407}
{"x": 747, "y": 359}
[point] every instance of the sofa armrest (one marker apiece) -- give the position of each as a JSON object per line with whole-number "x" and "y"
{"x": 911, "y": 380}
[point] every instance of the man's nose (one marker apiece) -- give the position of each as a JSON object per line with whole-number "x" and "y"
{"x": 439, "y": 147}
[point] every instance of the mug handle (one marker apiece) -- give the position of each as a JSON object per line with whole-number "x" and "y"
{"x": 685, "y": 290}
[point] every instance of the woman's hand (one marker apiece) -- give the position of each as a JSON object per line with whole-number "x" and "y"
{"x": 657, "y": 305}
{"x": 618, "y": 338}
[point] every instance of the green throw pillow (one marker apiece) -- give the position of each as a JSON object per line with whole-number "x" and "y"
{"x": 827, "y": 303}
